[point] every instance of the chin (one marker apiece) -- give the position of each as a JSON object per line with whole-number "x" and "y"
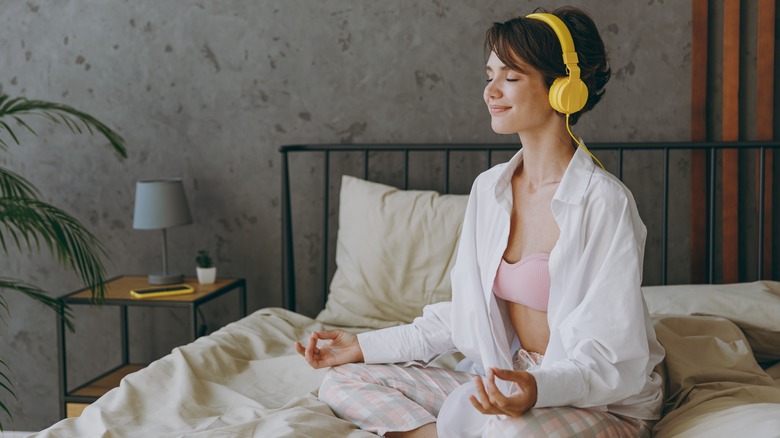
{"x": 501, "y": 128}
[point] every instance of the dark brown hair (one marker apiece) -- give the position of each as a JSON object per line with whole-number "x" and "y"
{"x": 535, "y": 43}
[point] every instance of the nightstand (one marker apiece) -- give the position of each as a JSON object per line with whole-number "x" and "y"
{"x": 73, "y": 401}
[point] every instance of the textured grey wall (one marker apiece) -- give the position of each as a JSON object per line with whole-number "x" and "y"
{"x": 208, "y": 90}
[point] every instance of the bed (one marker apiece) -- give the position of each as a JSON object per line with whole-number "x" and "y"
{"x": 369, "y": 234}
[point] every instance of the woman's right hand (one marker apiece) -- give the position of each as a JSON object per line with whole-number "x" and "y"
{"x": 339, "y": 347}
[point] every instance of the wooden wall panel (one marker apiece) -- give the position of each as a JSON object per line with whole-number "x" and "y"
{"x": 765, "y": 93}
{"x": 699, "y": 47}
{"x": 730, "y": 176}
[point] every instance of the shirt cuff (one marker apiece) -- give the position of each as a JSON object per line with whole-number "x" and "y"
{"x": 561, "y": 385}
{"x": 389, "y": 345}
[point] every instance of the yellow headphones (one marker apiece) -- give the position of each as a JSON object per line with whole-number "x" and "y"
{"x": 567, "y": 95}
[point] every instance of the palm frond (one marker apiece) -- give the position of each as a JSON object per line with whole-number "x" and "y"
{"x": 4, "y": 305}
{"x": 57, "y": 113}
{"x": 27, "y": 221}
{"x": 12, "y": 185}
{"x": 30, "y": 221}
{"x": 7, "y": 385}
{"x": 57, "y": 304}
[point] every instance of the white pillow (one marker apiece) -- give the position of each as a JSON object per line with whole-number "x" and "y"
{"x": 754, "y": 307}
{"x": 394, "y": 253}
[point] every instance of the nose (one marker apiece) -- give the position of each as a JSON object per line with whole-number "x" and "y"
{"x": 492, "y": 90}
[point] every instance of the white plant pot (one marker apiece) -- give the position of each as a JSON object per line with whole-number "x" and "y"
{"x": 206, "y": 275}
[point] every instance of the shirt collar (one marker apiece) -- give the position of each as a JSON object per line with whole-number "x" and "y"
{"x": 571, "y": 189}
{"x": 576, "y": 178}
{"x": 503, "y": 188}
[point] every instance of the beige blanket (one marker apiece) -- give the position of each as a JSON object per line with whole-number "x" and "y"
{"x": 246, "y": 380}
{"x": 714, "y": 386}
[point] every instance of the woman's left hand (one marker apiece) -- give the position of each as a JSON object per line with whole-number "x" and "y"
{"x": 492, "y": 401}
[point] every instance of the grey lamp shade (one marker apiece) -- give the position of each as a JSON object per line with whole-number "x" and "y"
{"x": 160, "y": 204}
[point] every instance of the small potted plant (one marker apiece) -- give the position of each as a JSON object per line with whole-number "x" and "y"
{"x": 207, "y": 272}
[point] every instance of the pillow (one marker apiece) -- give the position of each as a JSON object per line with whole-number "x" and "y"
{"x": 753, "y": 307}
{"x": 710, "y": 370}
{"x": 394, "y": 253}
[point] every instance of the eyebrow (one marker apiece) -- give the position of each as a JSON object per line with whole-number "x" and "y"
{"x": 519, "y": 69}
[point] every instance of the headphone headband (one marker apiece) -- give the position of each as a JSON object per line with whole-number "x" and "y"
{"x": 570, "y": 58}
{"x": 567, "y": 95}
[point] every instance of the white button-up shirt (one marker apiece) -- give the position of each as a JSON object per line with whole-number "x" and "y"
{"x": 602, "y": 347}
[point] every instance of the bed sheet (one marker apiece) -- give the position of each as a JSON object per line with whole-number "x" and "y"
{"x": 244, "y": 380}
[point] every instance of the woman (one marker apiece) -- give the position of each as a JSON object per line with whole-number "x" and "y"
{"x": 546, "y": 301}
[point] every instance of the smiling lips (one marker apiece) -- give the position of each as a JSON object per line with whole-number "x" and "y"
{"x": 496, "y": 110}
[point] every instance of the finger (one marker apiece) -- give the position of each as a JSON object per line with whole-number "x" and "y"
{"x": 477, "y": 405}
{"x": 514, "y": 404}
{"x": 508, "y": 375}
{"x": 299, "y": 348}
{"x": 496, "y": 397}
{"x": 313, "y": 343}
{"x": 482, "y": 396}
{"x": 329, "y": 334}
{"x": 481, "y": 403}
{"x": 311, "y": 350}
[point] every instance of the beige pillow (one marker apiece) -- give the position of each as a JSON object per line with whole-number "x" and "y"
{"x": 711, "y": 375}
{"x": 753, "y": 307}
{"x": 394, "y": 253}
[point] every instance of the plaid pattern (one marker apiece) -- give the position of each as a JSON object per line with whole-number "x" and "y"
{"x": 562, "y": 422}
{"x": 383, "y": 398}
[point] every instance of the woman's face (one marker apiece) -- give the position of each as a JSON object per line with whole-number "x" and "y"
{"x": 517, "y": 100}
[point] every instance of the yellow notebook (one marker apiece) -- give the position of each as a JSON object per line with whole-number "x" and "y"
{"x": 162, "y": 291}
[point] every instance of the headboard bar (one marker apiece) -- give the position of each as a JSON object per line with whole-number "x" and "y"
{"x": 664, "y": 219}
{"x": 761, "y": 206}
{"x": 325, "y": 222}
{"x": 711, "y": 217}
{"x": 288, "y": 259}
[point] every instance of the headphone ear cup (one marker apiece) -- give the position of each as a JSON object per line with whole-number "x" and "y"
{"x": 568, "y": 96}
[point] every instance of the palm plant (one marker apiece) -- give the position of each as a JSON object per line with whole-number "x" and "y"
{"x": 26, "y": 221}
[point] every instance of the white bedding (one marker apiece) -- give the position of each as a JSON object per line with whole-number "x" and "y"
{"x": 245, "y": 380}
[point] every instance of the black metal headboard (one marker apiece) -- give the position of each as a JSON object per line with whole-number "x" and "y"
{"x": 650, "y": 170}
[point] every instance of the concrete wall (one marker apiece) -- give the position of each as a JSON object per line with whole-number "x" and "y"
{"x": 207, "y": 91}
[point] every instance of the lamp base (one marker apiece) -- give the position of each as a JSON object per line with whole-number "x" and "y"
{"x": 165, "y": 278}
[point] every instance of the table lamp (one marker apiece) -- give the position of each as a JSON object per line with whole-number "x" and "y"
{"x": 161, "y": 204}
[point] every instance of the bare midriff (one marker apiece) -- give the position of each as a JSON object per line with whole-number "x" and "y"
{"x": 530, "y": 326}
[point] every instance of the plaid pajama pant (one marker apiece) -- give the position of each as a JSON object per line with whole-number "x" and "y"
{"x": 384, "y": 398}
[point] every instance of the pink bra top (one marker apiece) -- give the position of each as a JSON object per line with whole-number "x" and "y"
{"x": 526, "y": 282}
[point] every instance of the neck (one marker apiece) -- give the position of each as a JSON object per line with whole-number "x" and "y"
{"x": 545, "y": 157}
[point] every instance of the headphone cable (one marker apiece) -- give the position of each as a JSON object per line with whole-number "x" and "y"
{"x": 580, "y": 144}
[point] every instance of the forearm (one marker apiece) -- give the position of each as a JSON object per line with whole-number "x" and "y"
{"x": 425, "y": 338}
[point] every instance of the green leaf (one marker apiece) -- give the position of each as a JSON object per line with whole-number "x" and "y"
{"x": 9, "y": 388}
{"x": 72, "y": 244}
{"x": 57, "y": 304}
{"x": 10, "y": 132}
{"x": 21, "y": 106}
{"x": 14, "y": 185}
{"x": 25, "y": 125}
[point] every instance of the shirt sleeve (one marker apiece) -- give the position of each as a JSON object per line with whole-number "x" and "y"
{"x": 605, "y": 336}
{"x": 425, "y": 338}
